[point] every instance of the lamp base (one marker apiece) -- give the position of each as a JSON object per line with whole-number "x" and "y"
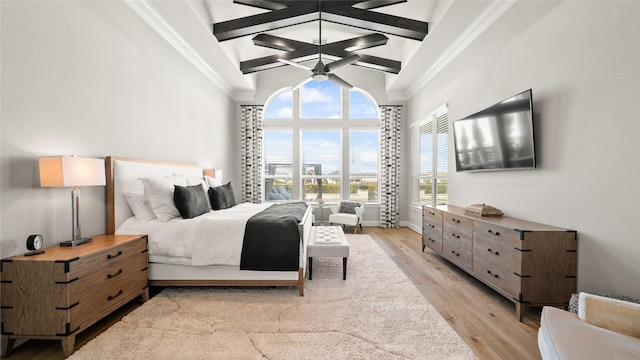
{"x": 75, "y": 242}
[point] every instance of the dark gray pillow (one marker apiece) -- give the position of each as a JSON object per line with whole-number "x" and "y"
{"x": 349, "y": 207}
{"x": 191, "y": 201}
{"x": 222, "y": 197}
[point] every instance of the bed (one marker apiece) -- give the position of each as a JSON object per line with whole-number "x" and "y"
{"x": 172, "y": 266}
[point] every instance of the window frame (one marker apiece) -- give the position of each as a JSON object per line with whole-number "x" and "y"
{"x": 343, "y": 124}
{"x": 434, "y": 118}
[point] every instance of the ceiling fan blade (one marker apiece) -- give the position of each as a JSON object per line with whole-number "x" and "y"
{"x": 338, "y": 80}
{"x": 302, "y": 83}
{"x": 301, "y": 66}
{"x": 342, "y": 62}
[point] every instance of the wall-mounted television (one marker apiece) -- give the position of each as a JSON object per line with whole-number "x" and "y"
{"x": 499, "y": 137}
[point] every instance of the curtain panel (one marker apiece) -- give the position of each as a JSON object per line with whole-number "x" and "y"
{"x": 390, "y": 116}
{"x": 251, "y": 156}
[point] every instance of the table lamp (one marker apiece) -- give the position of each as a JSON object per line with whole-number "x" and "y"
{"x": 71, "y": 171}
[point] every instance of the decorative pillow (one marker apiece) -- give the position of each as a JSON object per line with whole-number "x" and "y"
{"x": 159, "y": 194}
{"x": 348, "y": 207}
{"x": 212, "y": 182}
{"x": 138, "y": 204}
{"x": 222, "y": 197}
{"x": 191, "y": 201}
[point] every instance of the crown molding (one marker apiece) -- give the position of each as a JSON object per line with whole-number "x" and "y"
{"x": 151, "y": 16}
{"x": 492, "y": 12}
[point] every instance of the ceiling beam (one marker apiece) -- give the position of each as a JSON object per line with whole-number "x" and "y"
{"x": 284, "y": 13}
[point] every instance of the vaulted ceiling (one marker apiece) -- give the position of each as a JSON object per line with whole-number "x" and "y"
{"x": 230, "y": 40}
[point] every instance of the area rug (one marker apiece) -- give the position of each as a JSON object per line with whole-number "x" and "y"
{"x": 377, "y": 313}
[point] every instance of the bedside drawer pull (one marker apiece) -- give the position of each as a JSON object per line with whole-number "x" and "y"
{"x": 111, "y": 297}
{"x": 493, "y": 252}
{"x": 110, "y": 276}
{"x": 496, "y": 233}
{"x": 114, "y": 256}
{"x": 494, "y": 275}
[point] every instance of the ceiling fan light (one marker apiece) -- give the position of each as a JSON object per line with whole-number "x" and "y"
{"x": 320, "y": 77}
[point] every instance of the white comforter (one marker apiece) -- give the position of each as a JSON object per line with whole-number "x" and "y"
{"x": 214, "y": 238}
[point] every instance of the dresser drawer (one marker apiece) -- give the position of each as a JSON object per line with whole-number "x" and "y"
{"x": 456, "y": 255}
{"x": 498, "y": 233}
{"x": 434, "y": 226}
{"x": 434, "y": 215}
{"x": 498, "y": 253}
{"x": 102, "y": 259}
{"x": 106, "y": 277}
{"x": 434, "y": 241}
{"x": 464, "y": 223}
{"x": 458, "y": 238}
{"x": 496, "y": 276}
{"x": 108, "y": 298}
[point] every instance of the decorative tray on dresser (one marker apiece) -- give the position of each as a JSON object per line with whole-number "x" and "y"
{"x": 531, "y": 264}
{"x": 61, "y": 292}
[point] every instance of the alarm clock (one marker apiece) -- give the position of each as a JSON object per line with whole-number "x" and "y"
{"x": 34, "y": 244}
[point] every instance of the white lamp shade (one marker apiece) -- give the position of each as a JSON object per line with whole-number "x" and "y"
{"x": 66, "y": 171}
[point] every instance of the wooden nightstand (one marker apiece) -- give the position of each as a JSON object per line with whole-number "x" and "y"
{"x": 57, "y": 294}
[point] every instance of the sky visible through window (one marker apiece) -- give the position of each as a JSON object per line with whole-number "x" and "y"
{"x": 321, "y": 101}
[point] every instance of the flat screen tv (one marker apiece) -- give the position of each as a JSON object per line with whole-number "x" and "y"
{"x": 499, "y": 137}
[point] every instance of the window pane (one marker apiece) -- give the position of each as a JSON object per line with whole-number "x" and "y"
{"x": 363, "y": 165}
{"x": 278, "y": 157}
{"x": 426, "y": 149}
{"x": 360, "y": 107}
{"x": 327, "y": 189}
{"x": 442, "y": 145}
{"x": 280, "y": 107}
{"x": 320, "y": 100}
{"x": 320, "y": 152}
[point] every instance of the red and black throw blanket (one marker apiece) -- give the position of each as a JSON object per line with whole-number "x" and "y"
{"x": 272, "y": 240}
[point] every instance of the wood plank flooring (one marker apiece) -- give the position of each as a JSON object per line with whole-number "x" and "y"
{"x": 485, "y": 320}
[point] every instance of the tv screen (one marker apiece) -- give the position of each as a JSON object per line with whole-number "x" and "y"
{"x": 499, "y": 137}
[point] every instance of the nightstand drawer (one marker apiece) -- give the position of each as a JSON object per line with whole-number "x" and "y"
{"x": 107, "y": 299}
{"x": 87, "y": 264}
{"x": 85, "y": 287}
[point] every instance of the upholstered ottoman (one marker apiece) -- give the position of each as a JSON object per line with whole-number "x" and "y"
{"x": 328, "y": 241}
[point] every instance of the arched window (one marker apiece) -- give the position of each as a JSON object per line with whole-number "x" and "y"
{"x": 321, "y": 142}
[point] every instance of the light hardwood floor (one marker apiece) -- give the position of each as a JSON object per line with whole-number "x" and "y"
{"x": 485, "y": 320}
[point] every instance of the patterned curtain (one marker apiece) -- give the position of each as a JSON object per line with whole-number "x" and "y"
{"x": 391, "y": 116}
{"x": 251, "y": 156}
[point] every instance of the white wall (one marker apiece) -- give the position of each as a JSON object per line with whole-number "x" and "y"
{"x": 581, "y": 60}
{"x": 93, "y": 79}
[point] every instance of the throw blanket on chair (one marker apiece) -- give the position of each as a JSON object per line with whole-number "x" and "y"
{"x": 272, "y": 240}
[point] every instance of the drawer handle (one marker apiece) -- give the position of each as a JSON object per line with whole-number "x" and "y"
{"x": 432, "y": 226}
{"x": 114, "y": 256}
{"x": 455, "y": 236}
{"x": 496, "y": 233}
{"x": 493, "y": 252}
{"x": 494, "y": 275}
{"x": 455, "y": 220}
{"x": 432, "y": 240}
{"x": 111, "y": 297}
{"x": 453, "y": 252}
{"x": 109, "y": 276}
{"x": 431, "y": 213}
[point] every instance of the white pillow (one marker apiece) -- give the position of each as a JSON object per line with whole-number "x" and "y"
{"x": 212, "y": 182}
{"x": 139, "y": 206}
{"x": 159, "y": 194}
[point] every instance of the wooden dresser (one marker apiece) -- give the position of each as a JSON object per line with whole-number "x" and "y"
{"x": 57, "y": 294}
{"x": 531, "y": 264}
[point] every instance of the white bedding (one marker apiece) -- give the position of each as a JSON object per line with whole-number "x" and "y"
{"x": 214, "y": 238}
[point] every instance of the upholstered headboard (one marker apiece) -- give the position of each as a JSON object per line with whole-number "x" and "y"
{"x": 124, "y": 174}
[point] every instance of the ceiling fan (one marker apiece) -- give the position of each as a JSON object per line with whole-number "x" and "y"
{"x": 322, "y": 72}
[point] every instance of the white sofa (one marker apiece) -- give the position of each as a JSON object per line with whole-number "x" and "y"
{"x": 604, "y": 328}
